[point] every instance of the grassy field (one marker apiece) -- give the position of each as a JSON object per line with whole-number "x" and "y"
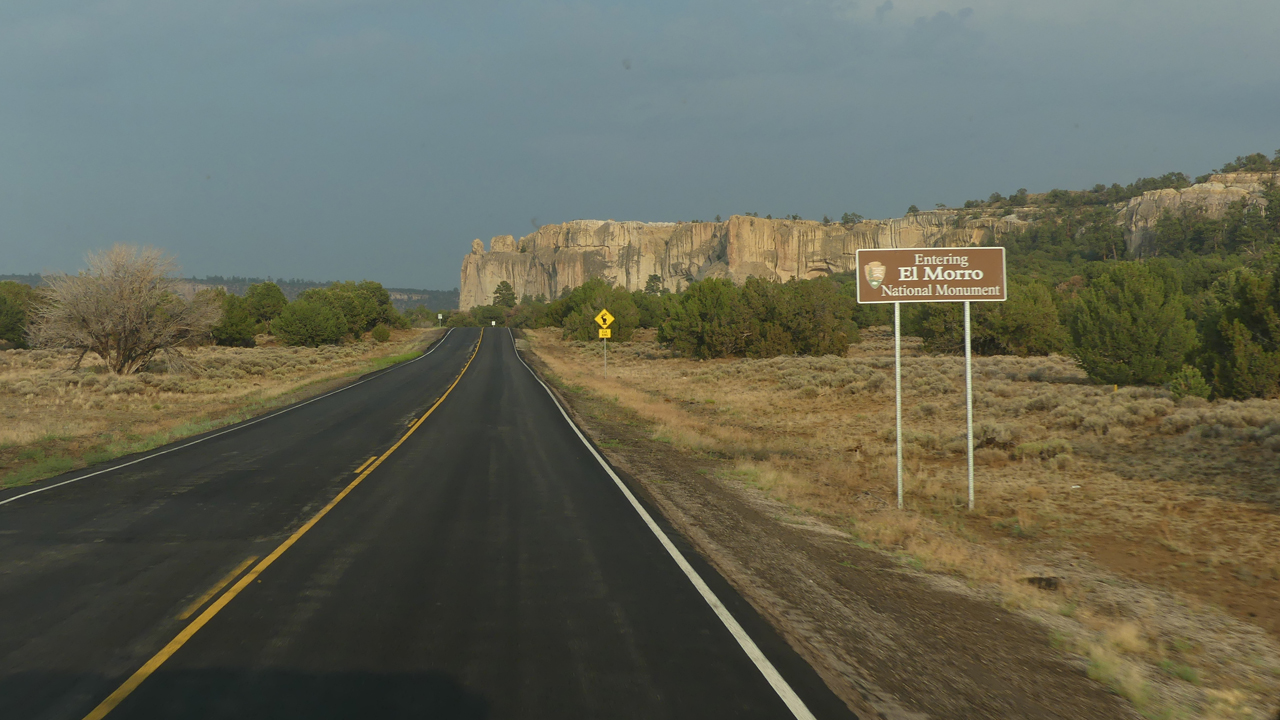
{"x": 1158, "y": 520}
{"x": 54, "y": 419}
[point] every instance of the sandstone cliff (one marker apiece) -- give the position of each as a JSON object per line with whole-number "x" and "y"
{"x": 562, "y": 256}
{"x": 556, "y": 257}
{"x": 1212, "y": 198}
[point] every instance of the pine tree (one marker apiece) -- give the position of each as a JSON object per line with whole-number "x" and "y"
{"x": 504, "y": 295}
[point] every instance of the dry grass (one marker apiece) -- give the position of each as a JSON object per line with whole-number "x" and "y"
{"x": 54, "y": 419}
{"x": 1159, "y": 514}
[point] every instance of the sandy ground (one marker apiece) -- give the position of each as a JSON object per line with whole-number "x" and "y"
{"x": 54, "y": 418}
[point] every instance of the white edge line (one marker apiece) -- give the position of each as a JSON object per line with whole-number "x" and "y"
{"x": 233, "y": 428}
{"x": 780, "y": 686}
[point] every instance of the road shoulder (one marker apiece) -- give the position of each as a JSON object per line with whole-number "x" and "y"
{"x": 886, "y": 639}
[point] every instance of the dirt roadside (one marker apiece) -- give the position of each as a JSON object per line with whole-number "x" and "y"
{"x": 888, "y": 640}
{"x": 54, "y": 419}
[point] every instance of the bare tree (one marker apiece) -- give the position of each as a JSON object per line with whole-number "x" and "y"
{"x": 124, "y": 309}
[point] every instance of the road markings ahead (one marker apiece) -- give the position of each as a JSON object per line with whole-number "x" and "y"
{"x": 771, "y": 674}
{"x": 200, "y": 601}
{"x": 366, "y": 464}
{"x": 233, "y": 428}
{"x": 147, "y": 670}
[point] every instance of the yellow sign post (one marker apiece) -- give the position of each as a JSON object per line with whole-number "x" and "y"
{"x": 604, "y": 319}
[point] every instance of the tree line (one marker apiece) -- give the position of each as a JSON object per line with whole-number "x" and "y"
{"x": 126, "y": 309}
{"x": 318, "y": 316}
{"x": 1198, "y": 310}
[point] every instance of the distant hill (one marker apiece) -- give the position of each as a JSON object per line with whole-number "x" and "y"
{"x": 401, "y": 298}
{"x": 32, "y": 280}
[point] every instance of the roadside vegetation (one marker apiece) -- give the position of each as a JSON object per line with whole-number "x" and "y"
{"x": 54, "y": 419}
{"x": 1151, "y": 518}
{"x": 114, "y": 360}
{"x": 1127, "y": 427}
{"x": 1197, "y": 313}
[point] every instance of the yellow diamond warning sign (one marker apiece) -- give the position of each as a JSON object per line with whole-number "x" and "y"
{"x": 605, "y": 333}
{"x": 604, "y": 319}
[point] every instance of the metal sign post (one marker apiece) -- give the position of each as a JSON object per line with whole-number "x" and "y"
{"x": 968, "y": 393}
{"x": 897, "y": 387}
{"x": 439, "y": 319}
{"x": 604, "y": 319}
{"x": 932, "y": 275}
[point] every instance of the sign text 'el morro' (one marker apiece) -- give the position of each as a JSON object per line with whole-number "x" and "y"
{"x": 931, "y": 275}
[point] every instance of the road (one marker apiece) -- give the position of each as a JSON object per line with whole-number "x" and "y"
{"x": 436, "y": 541}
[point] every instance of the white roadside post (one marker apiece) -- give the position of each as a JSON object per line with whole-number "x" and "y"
{"x": 968, "y": 393}
{"x": 898, "y": 275}
{"x": 897, "y": 388}
{"x": 439, "y": 319}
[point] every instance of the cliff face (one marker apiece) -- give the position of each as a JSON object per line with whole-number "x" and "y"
{"x": 562, "y": 256}
{"x": 1212, "y": 198}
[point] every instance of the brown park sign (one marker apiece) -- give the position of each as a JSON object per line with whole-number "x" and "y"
{"x": 931, "y": 275}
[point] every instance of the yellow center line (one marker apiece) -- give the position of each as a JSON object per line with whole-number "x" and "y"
{"x": 200, "y": 601}
{"x": 366, "y": 464}
{"x": 144, "y": 672}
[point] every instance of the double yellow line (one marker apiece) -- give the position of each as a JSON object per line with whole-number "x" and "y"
{"x": 203, "y": 619}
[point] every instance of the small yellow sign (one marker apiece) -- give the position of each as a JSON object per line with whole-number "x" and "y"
{"x": 604, "y": 319}
{"x": 605, "y": 333}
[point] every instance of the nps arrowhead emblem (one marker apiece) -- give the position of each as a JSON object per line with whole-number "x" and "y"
{"x": 604, "y": 319}
{"x": 875, "y": 272}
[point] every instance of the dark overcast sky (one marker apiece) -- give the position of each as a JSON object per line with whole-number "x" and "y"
{"x": 335, "y": 139}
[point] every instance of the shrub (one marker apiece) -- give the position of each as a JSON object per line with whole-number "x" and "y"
{"x": 798, "y": 317}
{"x": 310, "y": 323}
{"x": 1129, "y": 326}
{"x": 125, "y": 309}
{"x": 15, "y": 301}
{"x": 381, "y": 333}
{"x": 654, "y": 307}
{"x": 265, "y": 301}
{"x": 715, "y": 318}
{"x": 237, "y": 324}
{"x": 707, "y": 322}
{"x": 1188, "y": 381}
{"x": 461, "y": 319}
{"x": 575, "y": 312}
{"x": 988, "y": 434}
{"x": 1242, "y": 337}
{"x": 487, "y": 315}
{"x": 1044, "y": 449}
{"x": 362, "y": 305}
{"x": 1026, "y": 324}
{"x": 528, "y": 314}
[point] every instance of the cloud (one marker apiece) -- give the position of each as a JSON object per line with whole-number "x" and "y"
{"x": 883, "y": 10}
{"x": 338, "y": 133}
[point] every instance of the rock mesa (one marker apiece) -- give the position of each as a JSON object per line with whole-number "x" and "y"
{"x": 556, "y": 257}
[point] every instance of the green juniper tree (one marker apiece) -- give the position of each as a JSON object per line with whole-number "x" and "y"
{"x": 504, "y": 295}
{"x": 1129, "y": 326}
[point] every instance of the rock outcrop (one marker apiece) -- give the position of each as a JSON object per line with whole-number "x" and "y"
{"x": 556, "y": 257}
{"x": 1212, "y": 198}
{"x": 562, "y": 256}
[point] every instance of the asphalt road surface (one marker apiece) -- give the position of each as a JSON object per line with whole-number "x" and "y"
{"x": 436, "y": 541}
